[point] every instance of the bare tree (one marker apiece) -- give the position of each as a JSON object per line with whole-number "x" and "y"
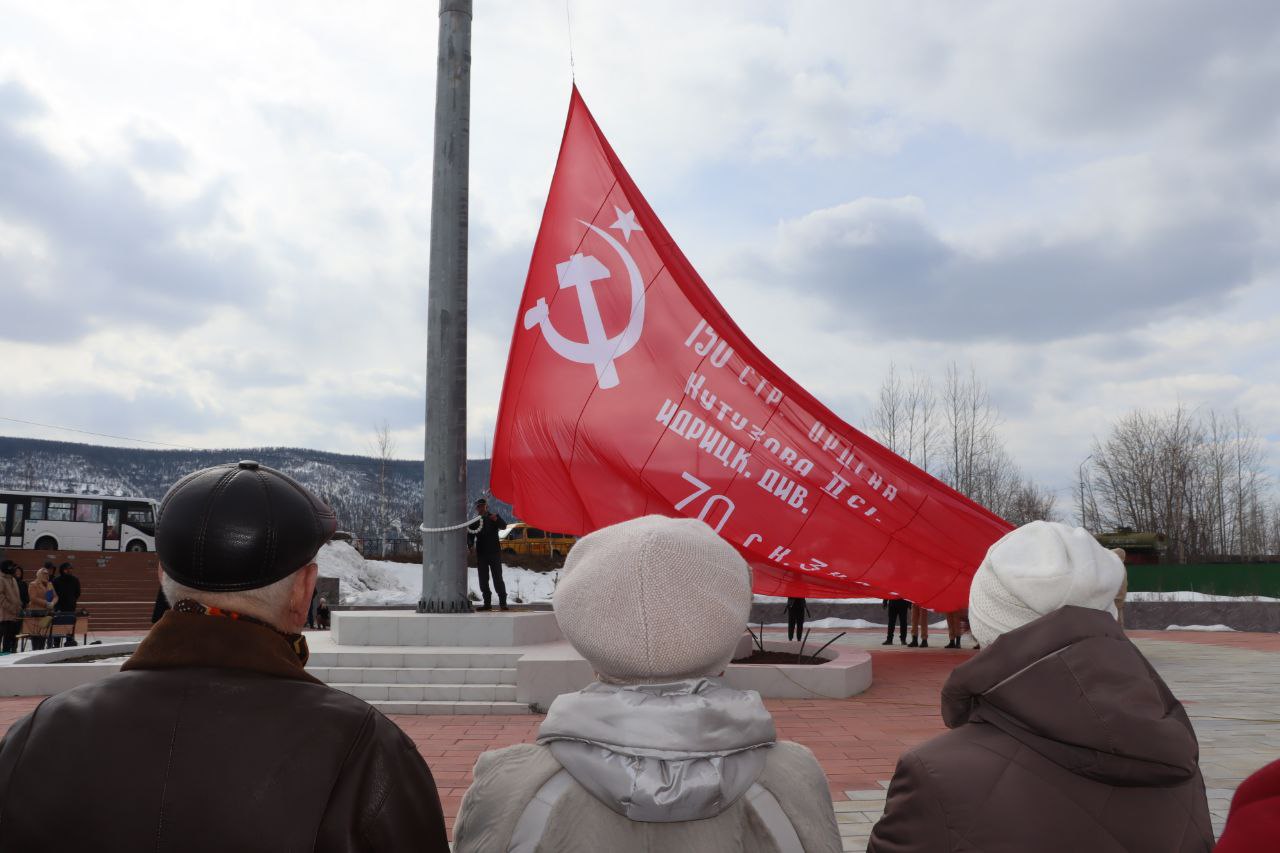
{"x": 888, "y": 419}
{"x": 921, "y": 420}
{"x": 957, "y": 436}
{"x": 1198, "y": 478}
{"x": 384, "y": 448}
{"x": 905, "y": 417}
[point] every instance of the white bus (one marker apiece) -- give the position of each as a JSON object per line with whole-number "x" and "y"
{"x": 47, "y": 521}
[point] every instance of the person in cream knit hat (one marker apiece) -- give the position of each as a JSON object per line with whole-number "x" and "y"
{"x": 658, "y": 753}
{"x": 677, "y": 599}
{"x": 1036, "y": 569}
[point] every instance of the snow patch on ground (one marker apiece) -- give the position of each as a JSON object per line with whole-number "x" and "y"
{"x": 382, "y": 582}
{"x": 775, "y": 599}
{"x": 830, "y": 622}
{"x": 1199, "y": 628}
{"x": 1185, "y": 595}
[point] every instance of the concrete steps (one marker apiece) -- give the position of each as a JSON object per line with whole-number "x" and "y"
{"x": 440, "y": 680}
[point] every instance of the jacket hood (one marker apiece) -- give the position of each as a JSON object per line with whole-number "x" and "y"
{"x": 661, "y": 753}
{"x": 1073, "y": 688}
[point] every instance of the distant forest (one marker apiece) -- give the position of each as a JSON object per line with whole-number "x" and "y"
{"x": 353, "y": 485}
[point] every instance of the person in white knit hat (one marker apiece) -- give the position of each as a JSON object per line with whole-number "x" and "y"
{"x": 1037, "y": 569}
{"x": 1062, "y": 737}
{"x": 657, "y": 754}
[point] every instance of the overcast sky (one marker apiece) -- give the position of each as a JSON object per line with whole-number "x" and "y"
{"x": 214, "y": 217}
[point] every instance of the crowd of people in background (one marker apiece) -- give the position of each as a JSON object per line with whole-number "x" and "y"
{"x": 1061, "y": 736}
{"x": 54, "y": 594}
{"x": 900, "y": 611}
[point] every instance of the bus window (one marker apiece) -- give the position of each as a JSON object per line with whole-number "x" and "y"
{"x": 59, "y": 511}
{"x": 138, "y": 516}
{"x": 37, "y": 509}
{"x": 90, "y": 511}
{"x": 535, "y": 533}
{"x": 15, "y": 526}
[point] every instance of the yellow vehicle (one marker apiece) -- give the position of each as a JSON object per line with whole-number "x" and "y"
{"x": 520, "y": 538}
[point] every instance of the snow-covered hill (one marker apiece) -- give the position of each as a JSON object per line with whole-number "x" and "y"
{"x": 350, "y": 484}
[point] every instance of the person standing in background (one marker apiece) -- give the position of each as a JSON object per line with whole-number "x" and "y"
{"x": 1124, "y": 586}
{"x": 41, "y": 601}
{"x": 919, "y": 627}
{"x": 10, "y": 609}
{"x": 955, "y": 628}
{"x": 483, "y": 536}
{"x": 311, "y": 610}
{"x": 797, "y": 610}
{"x": 161, "y": 606}
{"x": 67, "y": 586}
{"x": 899, "y": 610}
{"x": 24, "y": 590}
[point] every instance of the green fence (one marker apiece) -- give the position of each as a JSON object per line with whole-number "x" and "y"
{"x": 1213, "y": 578}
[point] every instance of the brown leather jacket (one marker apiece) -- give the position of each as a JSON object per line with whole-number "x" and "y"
{"x": 214, "y": 738}
{"x": 1063, "y": 739}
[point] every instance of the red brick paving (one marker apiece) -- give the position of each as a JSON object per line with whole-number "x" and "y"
{"x": 1233, "y": 639}
{"x": 856, "y": 740}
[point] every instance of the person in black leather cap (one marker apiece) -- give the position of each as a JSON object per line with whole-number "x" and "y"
{"x": 213, "y": 737}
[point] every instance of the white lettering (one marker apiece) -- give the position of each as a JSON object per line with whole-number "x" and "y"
{"x": 722, "y": 355}
{"x": 836, "y": 486}
{"x": 698, "y": 328}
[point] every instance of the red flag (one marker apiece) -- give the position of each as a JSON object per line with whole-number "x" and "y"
{"x": 629, "y": 391}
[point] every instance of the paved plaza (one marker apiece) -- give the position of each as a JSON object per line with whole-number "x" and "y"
{"x": 1230, "y": 684}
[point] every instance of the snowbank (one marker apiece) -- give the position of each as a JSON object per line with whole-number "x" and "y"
{"x": 1199, "y": 628}
{"x": 775, "y": 599}
{"x": 372, "y": 582}
{"x": 1192, "y": 596}
{"x": 830, "y": 622}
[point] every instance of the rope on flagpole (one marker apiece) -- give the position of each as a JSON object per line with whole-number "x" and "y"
{"x": 426, "y": 529}
{"x": 568, "y": 17}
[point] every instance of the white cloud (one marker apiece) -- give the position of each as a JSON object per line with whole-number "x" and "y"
{"x": 214, "y": 226}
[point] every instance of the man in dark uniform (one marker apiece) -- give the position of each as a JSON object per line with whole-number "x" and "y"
{"x": 483, "y": 536}
{"x": 899, "y": 609}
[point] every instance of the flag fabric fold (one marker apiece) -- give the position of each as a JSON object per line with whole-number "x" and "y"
{"x": 630, "y": 391}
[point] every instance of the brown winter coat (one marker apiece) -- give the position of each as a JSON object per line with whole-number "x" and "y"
{"x": 214, "y": 738}
{"x": 1063, "y": 739}
{"x": 36, "y": 593}
{"x": 10, "y": 599}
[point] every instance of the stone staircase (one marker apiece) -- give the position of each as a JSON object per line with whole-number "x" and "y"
{"x": 452, "y": 680}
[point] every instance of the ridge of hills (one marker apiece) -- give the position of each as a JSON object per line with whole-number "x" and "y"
{"x": 348, "y": 483}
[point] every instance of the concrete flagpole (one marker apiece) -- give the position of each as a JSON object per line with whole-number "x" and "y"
{"x": 444, "y": 487}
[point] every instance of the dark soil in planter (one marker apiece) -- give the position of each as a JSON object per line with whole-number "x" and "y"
{"x": 780, "y": 657}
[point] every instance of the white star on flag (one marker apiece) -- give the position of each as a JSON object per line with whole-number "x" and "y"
{"x": 626, "y": 223}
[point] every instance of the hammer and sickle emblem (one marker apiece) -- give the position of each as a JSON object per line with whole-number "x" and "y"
{"x": 600, "y": 350}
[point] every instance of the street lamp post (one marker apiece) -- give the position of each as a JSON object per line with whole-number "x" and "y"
{"x": 1083, "y": 515}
